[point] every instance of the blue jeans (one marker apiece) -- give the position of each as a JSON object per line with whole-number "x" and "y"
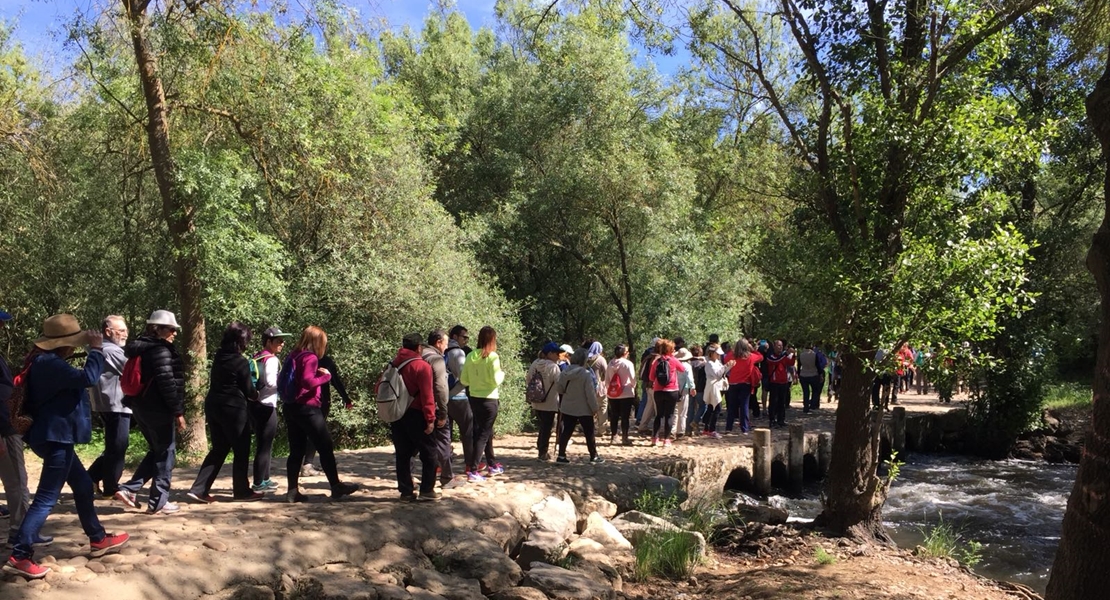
{"x": 108, "y": 467}
{"x": 643, "y": 401}
{"x": 60, "y": 466}
{"x": 737, "y": 400}
{"x": 697, "y": 410}
{"x": 811, "y": 392}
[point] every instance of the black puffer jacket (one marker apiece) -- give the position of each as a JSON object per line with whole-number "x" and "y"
{"x": 164, "y": 374}
{"x": 230, "y": 382}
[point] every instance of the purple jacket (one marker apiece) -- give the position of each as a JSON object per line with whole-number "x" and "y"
{"x": 306, "y": 382}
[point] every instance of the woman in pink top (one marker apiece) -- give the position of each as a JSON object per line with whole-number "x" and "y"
{"x": 304, "y": 417}
{"x": 740, "y": 383}
{"x": 664, "y": 383}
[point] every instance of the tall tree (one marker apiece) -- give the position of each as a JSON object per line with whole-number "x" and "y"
{"x": 1084, "y": 548}
{"x": 180, "y": 215}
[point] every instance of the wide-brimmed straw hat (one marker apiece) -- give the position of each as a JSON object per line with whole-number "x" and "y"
{"x": 683, "y": 354}
{"x": 163, "y": 317}
{"x": 60, "y": 331}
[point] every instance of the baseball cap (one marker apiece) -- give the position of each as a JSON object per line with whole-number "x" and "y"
{"x": 274, "y": 332}
{"x": 550, "y": 347}
{"x": 566, "y": 348}
{"x": 719, "y": 350}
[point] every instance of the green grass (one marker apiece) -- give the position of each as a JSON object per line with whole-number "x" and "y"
{"x": 823, "y": 557}
{"x": 705, "y": 516}
{"x": 136, "y": 448}
{"x": 943, "y": 540}
{"x": 667, "y": 554}
{"x": 1067, "y": 395}
{"x": 656, "y": 503}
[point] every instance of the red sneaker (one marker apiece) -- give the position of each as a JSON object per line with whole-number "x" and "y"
{"x": 25, "y": 567}
{"x": 110, "y": 542}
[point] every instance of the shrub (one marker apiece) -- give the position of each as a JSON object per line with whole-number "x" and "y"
{"x": 666, "y": 553}
{"x": 656, "y": 503}
{"x": 943, "y": 540}
{"x": 823, "y": 557}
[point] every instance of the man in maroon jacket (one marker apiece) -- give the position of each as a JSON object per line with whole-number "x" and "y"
{"x": 412, "y": 433}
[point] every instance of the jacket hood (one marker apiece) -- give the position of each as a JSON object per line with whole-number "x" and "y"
{"x": 578, "y": 372}
{"x": 223, "y": 356}
{"x": 141, "y": 344}
{"x": 405, "y": 354}
{"x": 594, "y": 350}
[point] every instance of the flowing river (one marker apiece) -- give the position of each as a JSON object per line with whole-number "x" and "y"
{"x": 1013, "y": 508}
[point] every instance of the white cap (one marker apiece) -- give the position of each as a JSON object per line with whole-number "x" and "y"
{"x": 566, "y": 348}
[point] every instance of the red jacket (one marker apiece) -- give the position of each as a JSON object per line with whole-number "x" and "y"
{"x": 777, "y": 365}
{"x": 741, "y": 372}
{"x": 417, "y": 376}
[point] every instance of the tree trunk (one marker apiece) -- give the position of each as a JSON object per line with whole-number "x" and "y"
{"x": 854, "y": 495}
{"x": 1084, "y": 552}
{"x": 179, "y": 215}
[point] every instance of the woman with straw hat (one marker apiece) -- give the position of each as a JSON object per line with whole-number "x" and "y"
{"x": 57, "y": 402}
{"x": 159, "y": 411}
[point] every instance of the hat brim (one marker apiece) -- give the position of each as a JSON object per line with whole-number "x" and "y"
{"x": 81, "y": 338}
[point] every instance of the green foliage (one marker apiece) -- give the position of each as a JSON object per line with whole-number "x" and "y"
{"x": 822, "y": 557}
{"x": 943, "y": 540}
{"x": 705, "y": 516}
{"x": 654, "y": 502}
{"x": 668, "y": 554}
{"x": 1007, "y": 403}
{"x": 1062, "y": 396}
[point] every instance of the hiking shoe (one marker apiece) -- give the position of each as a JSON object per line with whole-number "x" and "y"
{"x": 613, "y": 441}
{"x": 294, "y": 496}
{"x": 654, "y": 442}
{"x": 474, "y": 477}
{"x": 110, "y": 542}
{"x": 343, "y": 489}
{"x": 713, "y": 434}
{"x": 125, "y": 498}
{"x": 253, "y": 497}
{"x": 667, "y": 443}
{"x": 496, "y": 469}
{"x": 42, "y": 541}
{"x": 408, "y": 498}
{"x": 265, "y": 486}
{"x": 562, "y": 459}
{"x": 431, "y": 496}
{"x": 597, "y": 460}
{"x": 545, "y": 457}
{"x": 626, "y": 442}
{"x": 167, "y": 509}
{"x": 201, "y": 498}
{"x": 310, "y": 471}
{"x": 481, "y": 467}
{"x": 25, "y": 567}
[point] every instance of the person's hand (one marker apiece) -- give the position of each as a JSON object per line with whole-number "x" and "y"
{"x": 428, "y": 429}
{"x": 96, "y": 339}
{"x": 348, "y": 406}
{"x": 322, "y": 371}
{"x": 181, "y": 423}
{"x": 730, "y": 364}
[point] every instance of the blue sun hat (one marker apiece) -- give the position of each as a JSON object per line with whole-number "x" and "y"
{"x": 5, "y": 316}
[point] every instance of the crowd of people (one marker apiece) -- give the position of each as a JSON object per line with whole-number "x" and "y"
{"x": 446, "y": 384}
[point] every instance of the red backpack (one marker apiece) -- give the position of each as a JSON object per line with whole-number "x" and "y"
{"x": 131, "y": 380}
{"x": 615, "y": 386}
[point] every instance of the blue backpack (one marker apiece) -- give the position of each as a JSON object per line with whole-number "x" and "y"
{"x": 286, "y": 382}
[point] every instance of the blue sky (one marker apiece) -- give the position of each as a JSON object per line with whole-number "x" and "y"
{"x": 40, "y": 24}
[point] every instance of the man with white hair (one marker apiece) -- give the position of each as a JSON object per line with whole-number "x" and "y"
{"x": 107, "y": 402}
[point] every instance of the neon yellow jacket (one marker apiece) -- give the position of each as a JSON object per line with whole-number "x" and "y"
{"x": 482, "y": 375}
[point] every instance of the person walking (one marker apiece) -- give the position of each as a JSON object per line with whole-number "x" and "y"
{"x": 433, "y": 354}
{"x": 458, "y": 404}
{"x": 811, "y": 376}
{"x": 58, "y": 405}
{"x": 412, "y": 433}
{"x": 779, "y": 362}
{"x": 336, "y": 381}
{"x": 230, "y": 391}
{"x": 546, "y": 405}
{"x": 578, "y": 404}
{"x": 716, "y": 381}
{"x": 621, "y": 391}
{"x": 159, "y": 410}
{"x": 741, "y": 377}
{"x": 482, "y": 375}
{"x": 686, "y": 390}
{"x": 665, "y": 382}
{"x": 13, "y": 470}
{"x": 107, "y": 403}
{"x": 304, "y": 417}
{"x": 263, "y": 414}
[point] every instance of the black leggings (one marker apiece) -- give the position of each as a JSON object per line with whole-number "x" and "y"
{"x": 664, "y": 412}
{"x": 546, "y": 420}
{"x": 620, "y": 408}
{"x": 304, "y": 423}
{"x": 711, "y": 415}
{"x": 264, "y": 421}
{"x": 230, "y": 433}
{"x": 485, "y": 415}
{"x": 568, "y": 426}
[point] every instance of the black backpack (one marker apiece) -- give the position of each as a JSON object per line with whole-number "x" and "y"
{"x": 662, "y": 371}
